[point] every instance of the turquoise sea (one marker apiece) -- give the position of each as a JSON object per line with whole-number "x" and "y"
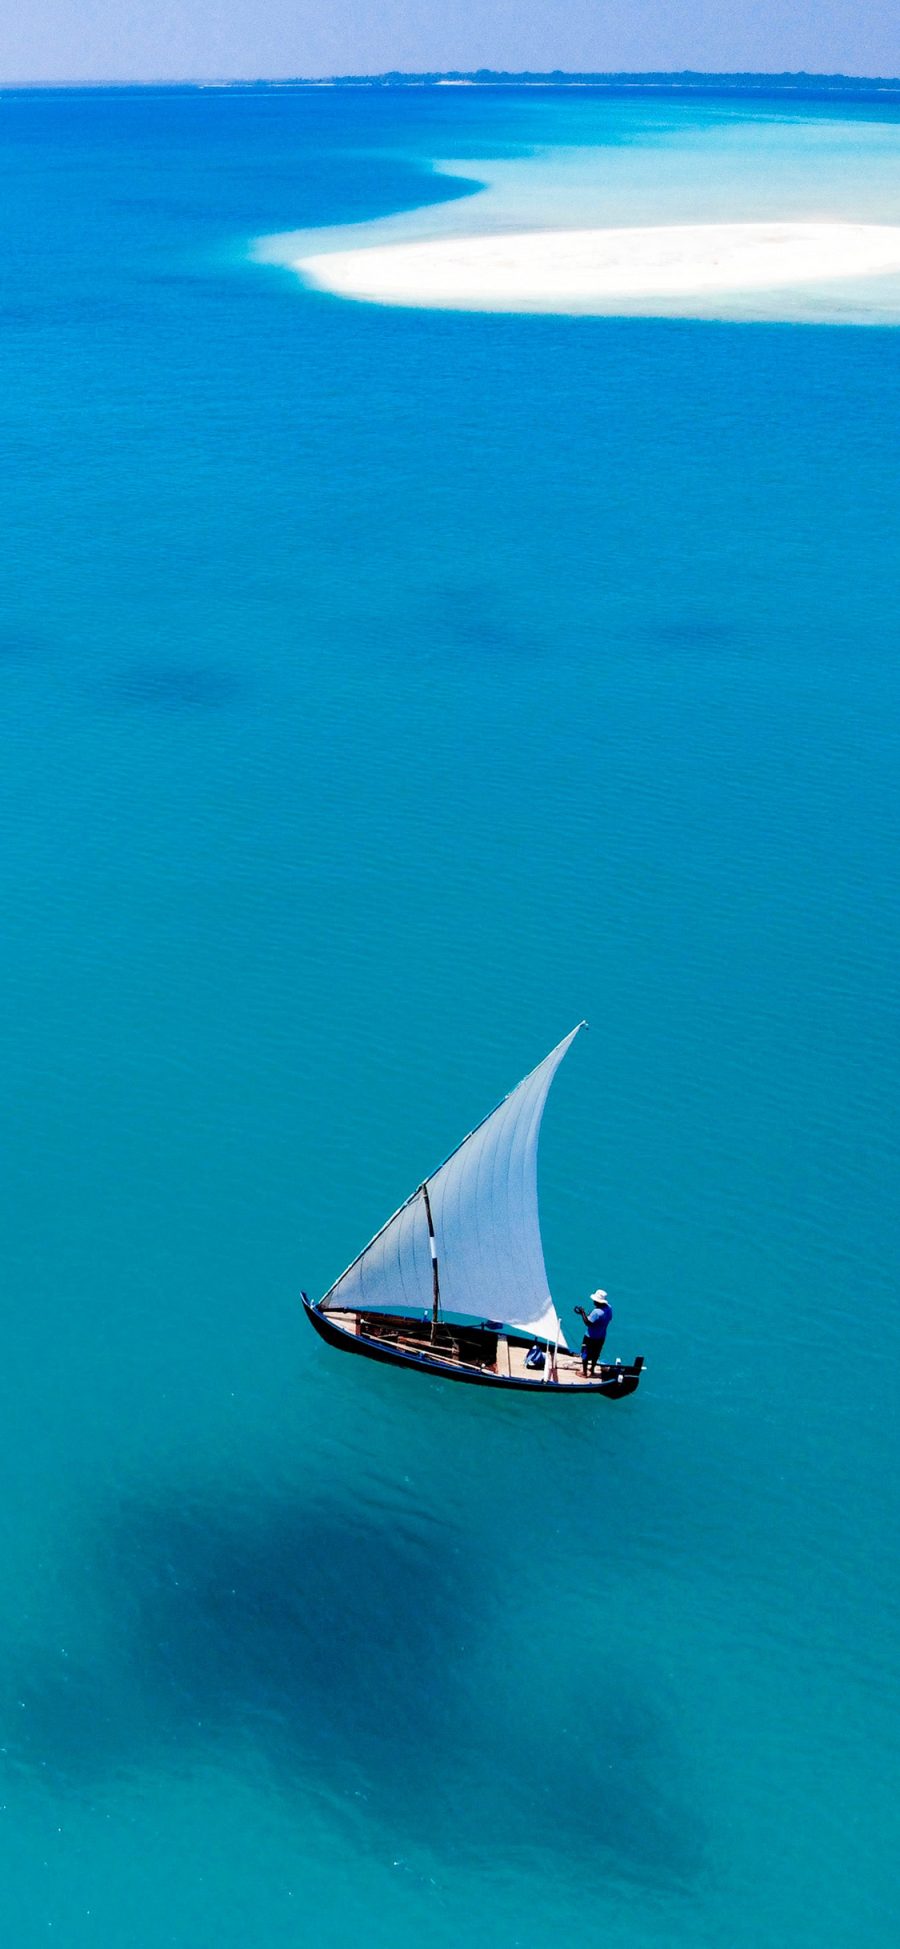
{"x": 383, "y": 691}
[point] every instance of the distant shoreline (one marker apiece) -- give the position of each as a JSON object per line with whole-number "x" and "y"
{"x": 683, "y": 82}
{"x": 687, "y": 80}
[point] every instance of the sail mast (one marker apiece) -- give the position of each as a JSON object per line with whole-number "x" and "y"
{"x": 436, "y": 1289}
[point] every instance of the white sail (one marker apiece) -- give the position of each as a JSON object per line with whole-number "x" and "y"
{"x": 485, "y": 1212}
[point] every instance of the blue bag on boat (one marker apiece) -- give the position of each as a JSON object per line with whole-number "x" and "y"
{"x": 535, "y": 1357}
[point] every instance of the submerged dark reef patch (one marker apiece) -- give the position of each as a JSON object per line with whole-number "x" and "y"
{"x": 473, "y": 620}
{"x": 175, "y": 686}
{"x": 344, "y": 1654}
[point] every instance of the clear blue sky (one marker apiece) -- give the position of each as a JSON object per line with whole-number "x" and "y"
{"x": 56, "y": 40}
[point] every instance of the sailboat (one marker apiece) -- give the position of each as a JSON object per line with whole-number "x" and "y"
{"x": 454, "y": 1284}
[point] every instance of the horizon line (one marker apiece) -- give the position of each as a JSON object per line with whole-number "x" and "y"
{"x": 432, "y": 77}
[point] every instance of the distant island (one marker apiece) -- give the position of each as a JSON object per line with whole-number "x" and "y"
{"x": 689, "y": 81}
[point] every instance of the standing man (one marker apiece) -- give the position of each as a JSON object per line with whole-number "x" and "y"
{"x": 596, "y": 1323}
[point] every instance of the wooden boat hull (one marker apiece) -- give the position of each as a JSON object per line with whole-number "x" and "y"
{"x": 614, "y": 1382}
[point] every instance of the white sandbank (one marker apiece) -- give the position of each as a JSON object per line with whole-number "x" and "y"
{"x": 665, "y": 267}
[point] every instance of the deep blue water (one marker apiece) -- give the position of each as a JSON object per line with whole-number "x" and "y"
{"x": 383, "y": 691}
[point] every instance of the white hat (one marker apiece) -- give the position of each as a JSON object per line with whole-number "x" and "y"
{"x": 598, "y": 1295}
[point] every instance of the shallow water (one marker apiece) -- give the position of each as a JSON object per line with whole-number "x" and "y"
{"x": 384, "y": 691}
{"x": 598, "y": 163}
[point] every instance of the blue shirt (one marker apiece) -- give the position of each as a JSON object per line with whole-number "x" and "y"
{"x": 598, "y": 1321}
